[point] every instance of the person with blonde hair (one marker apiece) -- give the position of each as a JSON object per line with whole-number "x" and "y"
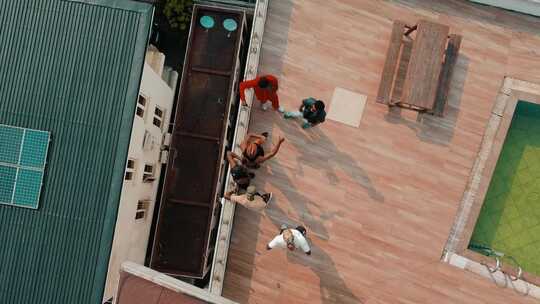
{"x": 253, "y": 154}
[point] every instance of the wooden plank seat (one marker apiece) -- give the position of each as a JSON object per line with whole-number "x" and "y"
{"x": 391, "y": 62}
{"x": 450, "y": 59}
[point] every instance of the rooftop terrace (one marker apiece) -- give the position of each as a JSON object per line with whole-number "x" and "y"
{"x": 379, "y": 200}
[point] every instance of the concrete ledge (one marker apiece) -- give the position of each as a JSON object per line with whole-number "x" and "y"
{"x": 530, "y": 7}
{"x": 473, "y": 185}
{"x": 227, "y": 210}
{"x": 498, "y": 277}
{"x": 164, "y": 281}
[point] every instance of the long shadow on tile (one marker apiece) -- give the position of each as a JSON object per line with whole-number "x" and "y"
{"x": 318, "y": 151}
{"x": 332, "y": 286}
{"x": 433, "y": 129}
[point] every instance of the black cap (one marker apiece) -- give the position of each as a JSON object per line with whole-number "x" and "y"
{"x": 263, "y": 83}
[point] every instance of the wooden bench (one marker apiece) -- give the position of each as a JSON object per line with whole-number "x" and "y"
{"x": 392, "y": 58}
{"x": 450, "y": 60}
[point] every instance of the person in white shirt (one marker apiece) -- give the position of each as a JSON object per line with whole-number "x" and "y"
{"x": 291, "y": 239}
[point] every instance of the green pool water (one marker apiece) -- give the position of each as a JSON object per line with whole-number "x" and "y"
{"x": 509, "y": 221}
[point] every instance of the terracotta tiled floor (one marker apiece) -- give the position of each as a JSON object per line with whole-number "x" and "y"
{"x": 378, "y": 200}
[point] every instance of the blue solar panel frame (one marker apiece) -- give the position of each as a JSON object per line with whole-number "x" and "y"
{"x": 23, "y": 158}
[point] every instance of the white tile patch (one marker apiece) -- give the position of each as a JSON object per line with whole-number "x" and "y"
{"x": 347, "y": 107}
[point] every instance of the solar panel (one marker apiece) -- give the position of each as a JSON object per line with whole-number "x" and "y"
{"x": 34, "y": 149}
{"x": 7, "y": 183}
{"x": 23, "y": 154}
{"x": 10, "y": 144}
{"x": 27, "y": 188}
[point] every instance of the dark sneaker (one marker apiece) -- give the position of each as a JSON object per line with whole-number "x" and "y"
{"x": 302, "y": 229}
{"x": 267, "y": 197}
{"x": 251, "y": 175}
{"x": 265, "y": 134}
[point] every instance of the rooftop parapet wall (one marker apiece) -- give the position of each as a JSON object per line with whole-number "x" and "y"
{"x": 531, "y": 7}
{"x": 141, "y": 285}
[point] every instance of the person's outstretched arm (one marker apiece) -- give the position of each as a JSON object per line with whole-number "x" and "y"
{"x": 304, "y": 244}
{"x": 248, "y": 84}
{"x": 227, "y": 195}
{"x": 231, "y": 156}
{"x": 302, "y": 106}
{"x": 273, "y": 243}
{"x": 272, "y": 153}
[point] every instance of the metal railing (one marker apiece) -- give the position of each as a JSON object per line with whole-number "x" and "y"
{"x": 498, "y": 256}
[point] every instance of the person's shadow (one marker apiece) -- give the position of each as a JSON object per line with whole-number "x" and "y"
{"x": 317, "y": 151}
{"x": 431, "y": 128}
{"x": 327, "y": 157}
{"x": 299, "y": 203}
{"x": 332, "y": 286}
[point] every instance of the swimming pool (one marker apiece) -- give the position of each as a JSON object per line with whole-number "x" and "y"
{"x": 509, "y": 221}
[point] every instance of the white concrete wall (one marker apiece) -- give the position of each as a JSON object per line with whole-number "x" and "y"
{"x": 131, "y": 235}
{"x": 163, "y": 281}
{"x": 531, "y": 7}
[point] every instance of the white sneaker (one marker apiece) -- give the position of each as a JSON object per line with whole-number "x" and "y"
{"x": 281, "y": 110}
{"x": 265, "y": 106}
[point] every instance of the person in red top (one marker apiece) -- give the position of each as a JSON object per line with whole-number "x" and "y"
{"x": 265, "y": 88}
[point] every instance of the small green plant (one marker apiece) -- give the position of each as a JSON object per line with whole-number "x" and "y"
{"x": 178, "y": 12}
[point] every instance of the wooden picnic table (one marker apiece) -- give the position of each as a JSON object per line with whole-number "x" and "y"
{"x": 422, "y": 79}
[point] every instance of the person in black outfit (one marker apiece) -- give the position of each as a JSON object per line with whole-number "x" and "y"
{"x": 311, "y": 110}
{"x": 240, "y": 173}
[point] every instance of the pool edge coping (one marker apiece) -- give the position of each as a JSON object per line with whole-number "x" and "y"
{"x": 455, "y": 251}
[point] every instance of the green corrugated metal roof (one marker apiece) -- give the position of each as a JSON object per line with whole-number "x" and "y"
{"x": 72, "y": 68}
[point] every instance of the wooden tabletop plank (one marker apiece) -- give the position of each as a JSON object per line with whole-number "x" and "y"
{"x": 425, "y": 65}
